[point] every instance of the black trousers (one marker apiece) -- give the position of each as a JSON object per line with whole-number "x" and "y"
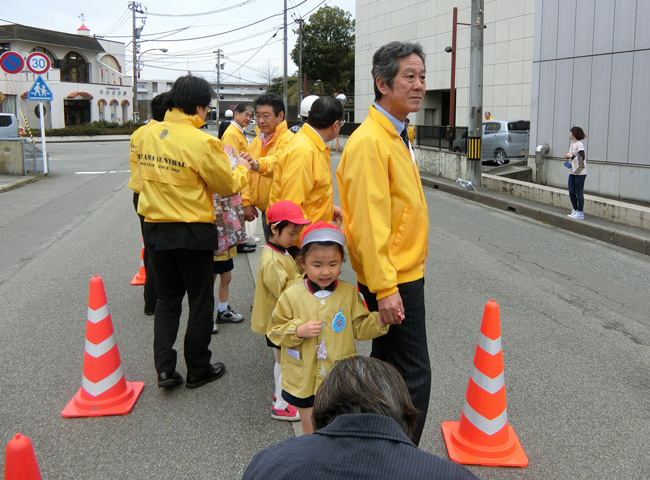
{"x": 405, "y": 347}
{"x": 150, "y": 295}
{"x": 178, "y": 271}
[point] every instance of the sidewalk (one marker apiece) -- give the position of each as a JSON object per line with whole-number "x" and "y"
{"x": 9, "y": 182}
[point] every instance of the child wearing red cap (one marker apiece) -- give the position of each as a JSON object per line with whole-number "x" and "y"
{"x": 277, "y": 269}
{"x": 317, "y": 320}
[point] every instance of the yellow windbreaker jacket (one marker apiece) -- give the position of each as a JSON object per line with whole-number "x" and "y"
{"x": 180, "y": 167}
{"x": 135, "y": 182}
{"x": 385, "y": 213}
{"x": 257, "y": 191}
{"x": 277, "y": 270}
{"x": 302, "y": 371}
{"x": 235, "y": 138}
{"x": 303, "y": 175}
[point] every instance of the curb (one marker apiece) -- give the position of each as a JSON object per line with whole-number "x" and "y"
{"x": 624, "y": 236}
{"x": 20, "y": 183}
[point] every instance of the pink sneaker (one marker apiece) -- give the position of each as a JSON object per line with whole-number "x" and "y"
{"x": 289, "y": 414}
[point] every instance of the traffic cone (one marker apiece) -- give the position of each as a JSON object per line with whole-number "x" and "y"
{"x": 20, "y": 460}
{"x": 483, "y": 436}
{"x": 104, "y": 390}
{"x": 140, "y": 277}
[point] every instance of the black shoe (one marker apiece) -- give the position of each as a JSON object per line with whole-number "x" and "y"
{"x": 215, "y": 328}
{"x": 169, "y": 379}
{"x": 246, "y": 248}
{"x": 229, "y": 316}
{"x": 216, "y": 371}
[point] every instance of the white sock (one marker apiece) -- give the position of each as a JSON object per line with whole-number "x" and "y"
{"x": 280, "y": 403}
{"x": 223, "y": 306}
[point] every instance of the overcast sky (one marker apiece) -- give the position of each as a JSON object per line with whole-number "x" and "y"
{"x": 242, "y": 29}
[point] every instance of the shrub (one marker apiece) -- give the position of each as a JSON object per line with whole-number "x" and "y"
{"x": 101, "y": 127}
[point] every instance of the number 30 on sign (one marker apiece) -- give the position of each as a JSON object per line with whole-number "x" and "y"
{"x": 38, "y": 63}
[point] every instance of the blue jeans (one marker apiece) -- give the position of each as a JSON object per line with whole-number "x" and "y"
{"x": 576, "y": 191}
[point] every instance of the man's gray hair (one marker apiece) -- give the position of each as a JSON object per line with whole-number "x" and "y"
{"x": 385, "y": 62}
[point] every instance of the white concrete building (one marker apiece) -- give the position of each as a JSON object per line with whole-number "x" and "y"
{"x": 87, "y": 77}
{"x": 555, "y": 63}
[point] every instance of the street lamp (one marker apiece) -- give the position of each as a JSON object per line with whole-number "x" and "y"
{"x": 452, "y": 50}
{"x": 164, "y": 50}
{"x": 136, "y": 70}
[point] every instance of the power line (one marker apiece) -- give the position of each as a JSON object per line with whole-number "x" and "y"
{"x": 204, "y": 13}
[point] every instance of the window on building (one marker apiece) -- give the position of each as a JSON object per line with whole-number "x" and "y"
{"x": 74, "y": 68}
{"x": 5, "y": 47}
{"x": 154, "y": 87}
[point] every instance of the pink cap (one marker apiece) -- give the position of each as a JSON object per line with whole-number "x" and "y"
{"x": 286, "y": 210}
{"x": 322, "y": 232}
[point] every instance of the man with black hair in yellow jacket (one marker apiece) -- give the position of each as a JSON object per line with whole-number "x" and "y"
{"x": 303, "y": 175}
{"x": 181, "y": 167}
{"x": 386, "y": 219}
{"x": 272, "y": 138}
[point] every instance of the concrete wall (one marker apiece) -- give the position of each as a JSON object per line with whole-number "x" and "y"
{"x": 11, "y": 157}
{"x": 591, "y": 66}
{"x": 508, "y": 52}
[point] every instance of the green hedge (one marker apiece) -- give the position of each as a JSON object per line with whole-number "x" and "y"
{"x": 101, "y": 127}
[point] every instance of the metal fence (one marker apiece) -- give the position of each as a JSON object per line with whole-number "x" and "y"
{"x": 444, "y": 138}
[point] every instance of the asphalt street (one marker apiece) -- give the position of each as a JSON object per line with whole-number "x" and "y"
{"x": 574, "y": 319}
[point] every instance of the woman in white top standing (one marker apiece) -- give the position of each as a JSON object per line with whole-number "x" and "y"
{"x": 577, "y": 180}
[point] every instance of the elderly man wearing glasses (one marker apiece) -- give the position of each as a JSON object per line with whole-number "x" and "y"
{"x": 303, "y": 174}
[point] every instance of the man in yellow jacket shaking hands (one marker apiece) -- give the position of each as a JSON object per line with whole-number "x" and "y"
{"x": 386, "y": 219}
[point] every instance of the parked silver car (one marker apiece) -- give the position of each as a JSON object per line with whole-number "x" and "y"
{"x": 501, "y": 140}
{"x": 8, "y": 126}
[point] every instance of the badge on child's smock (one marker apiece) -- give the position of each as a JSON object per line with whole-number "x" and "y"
{"x": 338, "y": 323}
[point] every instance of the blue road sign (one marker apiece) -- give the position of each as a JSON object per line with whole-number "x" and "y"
{"x": 12, "y": 62}
{"x": 40, "y": 91}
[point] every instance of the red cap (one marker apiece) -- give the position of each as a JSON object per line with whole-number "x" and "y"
{"x": 286, "y": 210}
{"x": 322, "y": 232}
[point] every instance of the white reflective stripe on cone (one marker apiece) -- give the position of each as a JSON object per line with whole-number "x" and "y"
{"x": 99, "y": 349}
{"x": 489, "y": 427}
{"x": 96, "y": 316}
{"x": 490, "y": 385}
{"x": 490, "y": 346}
{"x": 103, "y": 385}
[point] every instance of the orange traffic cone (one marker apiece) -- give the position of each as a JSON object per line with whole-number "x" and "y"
{"x": 483, "y": 436}
{"x": 104, "y": 390}
{"x": 140, "y": 277}
{"x": 20, "y": 460}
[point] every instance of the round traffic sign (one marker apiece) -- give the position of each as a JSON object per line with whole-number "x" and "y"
{"x": 38, "y": 63}
{"x": 12, "y": 62}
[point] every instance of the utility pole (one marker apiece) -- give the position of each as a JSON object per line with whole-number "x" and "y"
{"x": 300, "y": 23}
{"x": 218, "y": 52}
{"x": 475, "y": 94}
{"x": 136, "y": 7}
{"x": 284, "y": 81}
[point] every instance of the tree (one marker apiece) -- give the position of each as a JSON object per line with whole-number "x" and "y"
{"x": 268, "y": 71}
{"x": 292, "y": 88}
{"x": 328, "y": 50}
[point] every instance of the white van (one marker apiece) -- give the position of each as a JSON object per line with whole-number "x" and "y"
{"x": 8, "y": 125}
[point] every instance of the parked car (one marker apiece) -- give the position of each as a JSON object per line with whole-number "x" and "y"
{"x": 250, "y": 130}
{"x": 8, "y": 126}
{"x": 501, "y": 140}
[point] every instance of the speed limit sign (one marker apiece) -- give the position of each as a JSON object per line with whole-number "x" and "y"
{"x": 38, "y": 63}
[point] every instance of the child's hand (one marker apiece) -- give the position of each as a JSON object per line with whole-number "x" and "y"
{"x": 309, "y": 330}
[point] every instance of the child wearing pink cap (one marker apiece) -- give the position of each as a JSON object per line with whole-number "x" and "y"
{"x": 277, "y": 269}
{"x": 317, "y": 320}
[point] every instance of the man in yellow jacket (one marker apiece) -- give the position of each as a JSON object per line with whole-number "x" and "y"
{"x": 272, "y": 138}
{"x": 158, "y": 110}
{"x": 386, "y": 219}
{"x": 235, "y": 134}
{"x": 303, "y": 174}
{"x": 181, "y": 167}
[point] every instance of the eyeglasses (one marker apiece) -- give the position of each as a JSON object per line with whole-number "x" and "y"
{"x": 247, "y": 115}
{"x": 341, "y": 123}
{"x": 209, "y": 108}
{"x": 265, "y": 116}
